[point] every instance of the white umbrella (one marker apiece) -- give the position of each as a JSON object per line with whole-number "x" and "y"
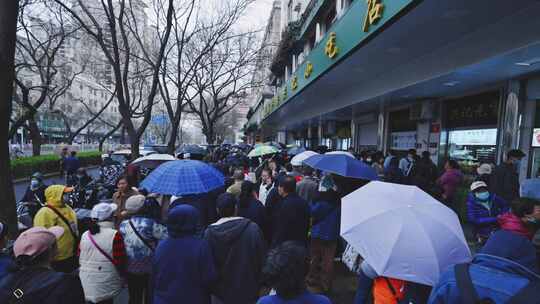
{"x": 403, "y": 232}
{"x": 153, "y": 160}
{"x": 341, "y": 153}
{"x": 300, "y": 158}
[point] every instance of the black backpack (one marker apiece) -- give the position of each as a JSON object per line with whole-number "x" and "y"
{"x": 530, "y": 294}
{"x": 29, "y": 286}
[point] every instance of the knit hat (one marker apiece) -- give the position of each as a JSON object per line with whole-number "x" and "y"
{"x": 135, "y": 203}
{"x": 484, "y": 169}
{"x": 477, "y": 185}
{"x": 103, "y": 211}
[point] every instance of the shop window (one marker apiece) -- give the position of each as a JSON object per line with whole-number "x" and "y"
{"x": 472, "y": 123}
{"x": 473, "y": 147}
{"x": 536, "y": 143}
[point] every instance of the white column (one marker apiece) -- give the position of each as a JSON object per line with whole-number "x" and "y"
{"x": 293, "y": 63}
{"x": 339, "y": 8}
{"x": 318, "y": 30}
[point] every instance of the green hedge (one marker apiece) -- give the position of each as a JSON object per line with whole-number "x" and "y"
{"x": 26, "y": 166}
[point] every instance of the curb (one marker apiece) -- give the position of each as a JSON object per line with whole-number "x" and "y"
{"x": 48, "y": 175}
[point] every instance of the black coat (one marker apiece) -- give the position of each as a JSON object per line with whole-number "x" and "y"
{"x": 42, "y": 286}
{"x": 505, "y": 182}
{"x": 239, "y": 250}
{"x": 292, "y": 222}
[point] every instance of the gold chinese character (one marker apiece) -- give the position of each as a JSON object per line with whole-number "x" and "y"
{"x": 309, "y": 70}
{"x": 374, "y": 13}
{"x": 294, "y": 83}
{"x": 331, "y": 50}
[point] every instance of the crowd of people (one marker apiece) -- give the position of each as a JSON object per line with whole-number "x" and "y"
{"x": 269, "y": 236}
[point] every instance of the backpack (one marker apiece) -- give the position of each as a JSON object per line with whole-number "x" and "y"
{"x": 32, "y": 285}
{"x": 530, "y": 294}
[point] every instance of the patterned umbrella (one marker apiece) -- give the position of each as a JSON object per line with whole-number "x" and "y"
{"x": 263, "y": 150}
{"x": 183, "y": 177}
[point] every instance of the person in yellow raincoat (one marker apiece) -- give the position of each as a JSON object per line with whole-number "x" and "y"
{"x": 57, "y": 213}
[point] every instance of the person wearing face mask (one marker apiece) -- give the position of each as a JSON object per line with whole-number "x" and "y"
{"x": 83, "y": 179}
{"x": 483, "y": 208}
{"x": 36, "y": 190}
{"x": 406, "y": 164}
{"x": 505, "y": 178}
{"x": 523, "y": 219}
{"x": 57, "y": 213}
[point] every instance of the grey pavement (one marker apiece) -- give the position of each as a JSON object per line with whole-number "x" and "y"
{"x": 20, "y": 188}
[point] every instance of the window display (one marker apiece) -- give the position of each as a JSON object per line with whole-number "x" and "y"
{"x": 473, "y": 147}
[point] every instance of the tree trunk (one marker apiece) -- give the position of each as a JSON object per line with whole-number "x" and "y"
{"x": 35, "y": 136}
{"x": 171, "y": 145}
{"x": 8, "y": 30}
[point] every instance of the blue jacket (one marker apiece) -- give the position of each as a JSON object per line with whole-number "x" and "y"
{"x": 484, "y": 221}
{"x": 72, "y": 164}
{"x": 183, "y": 265}
{"x": 506, "y": 264}
{"x": 325, "y": 218}
{"x": 5, "y": 263}
{"x": 304, "y": 298}
{"x": 255, "y": 212}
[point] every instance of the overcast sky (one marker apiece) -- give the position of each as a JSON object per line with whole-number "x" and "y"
{"x": 257, "y": 15}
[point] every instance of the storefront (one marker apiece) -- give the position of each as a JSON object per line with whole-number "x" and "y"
{"x": 365, "y": 131}
{"x": 471, "y": 132}
{"x": 343, "y": 135}
{"x": 535, "y": 146}
{"x": 402, "y": 130}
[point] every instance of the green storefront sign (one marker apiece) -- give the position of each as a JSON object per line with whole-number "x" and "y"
{"x": 362, "y": 20}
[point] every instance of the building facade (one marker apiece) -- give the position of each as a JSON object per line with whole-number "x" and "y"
{"x": 460, "y": 79}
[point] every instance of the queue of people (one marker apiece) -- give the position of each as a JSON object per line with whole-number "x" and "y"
{"x": 268, "y": 242}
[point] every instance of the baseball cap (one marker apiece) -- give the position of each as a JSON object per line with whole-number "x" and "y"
{"x": 135, "y": 203}
{"x": 477, "y": 185}
{"x": 484, "y": 169}
{"x": 225, "y": 200}
{"x": 36, "y": 240}
{"x": 103, "y": 211}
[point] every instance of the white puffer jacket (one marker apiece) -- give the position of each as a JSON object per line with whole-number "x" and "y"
{"x": 99, "y": 277}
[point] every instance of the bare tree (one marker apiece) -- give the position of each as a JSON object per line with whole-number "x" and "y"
{"x": 8, "y": 31}
{"x": 114, "y": 26}
{"x": 90, "y": 116}
{"x": 41, "y": 75}
{"x": 223, "y": 80}
{"x": 196, "y": 32}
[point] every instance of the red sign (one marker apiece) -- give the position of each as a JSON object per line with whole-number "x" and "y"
{"x": 435, "y": 128}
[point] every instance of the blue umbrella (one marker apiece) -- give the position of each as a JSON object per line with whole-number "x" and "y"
{"x": 343, "y": 165}
{"x": 183, "y": 177}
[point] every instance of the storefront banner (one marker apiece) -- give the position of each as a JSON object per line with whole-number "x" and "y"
{"x": 536, "y": 138}
{"x": 403, "y": 140}
{"x": 480, "y": 137}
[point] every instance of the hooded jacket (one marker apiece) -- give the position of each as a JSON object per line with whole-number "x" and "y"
{"x": 484, "y": 220}
{"x": 183, "y": 266}
{"x": 239, "y": 251}
{"x": 47, "y": 218}
{"x": 506, "y": 264}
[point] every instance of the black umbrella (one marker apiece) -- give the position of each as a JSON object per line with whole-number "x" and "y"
{"x": 193, "y": 149}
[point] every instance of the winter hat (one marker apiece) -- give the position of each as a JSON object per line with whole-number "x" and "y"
{"x": 135, "y": 203}
{"x": 477, "y": 185}
{"x": 36, "y": 240}
{"x": 103, "y": 211}
{"x": 484, "y": 169}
